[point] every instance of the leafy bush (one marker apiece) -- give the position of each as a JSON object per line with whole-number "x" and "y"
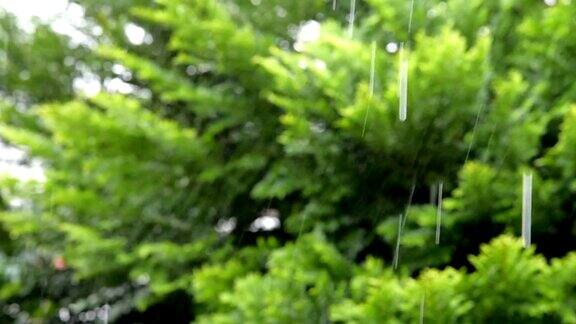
{"x": 231, "y": 115}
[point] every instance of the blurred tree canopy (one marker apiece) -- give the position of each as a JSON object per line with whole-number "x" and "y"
{"x": 235, "y": 113}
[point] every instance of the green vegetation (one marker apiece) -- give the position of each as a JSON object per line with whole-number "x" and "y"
{"x": 229, "y": 116}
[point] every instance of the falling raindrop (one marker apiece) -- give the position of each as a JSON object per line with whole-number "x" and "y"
{"x": 526, "y": 208}
{"x": 372, "y": 69}
{"x": 422, "y": 303}
{"x": 392, "y": 47}
{"x": 484, "y": 94}
{"x": 439, "y": 212}
{"x": 403, "y": 83}
{"x": 351, "y": 18}
{"x": 333, "y": 4}
{"x": 372, "y": 80}
{"x": 476, "y": 122}
{"x": 397, "y": 250}
{"x": 403, "y": 71}
{"x": 410, "y": 197}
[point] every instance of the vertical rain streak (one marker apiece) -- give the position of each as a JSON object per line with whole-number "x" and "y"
{"x": 422, "y": 303}
{"x": 410, "y": 197}
{"x": 403, "y": 83}
{"x": 351, "y": 18}
{"x": 373, "y": 69}
{"x": 333, "y": 4}
{"x": 526, "y": 208}
{"x": 397, "y": 250}
{"x": 372, "y": 81}
{"x": 439, "y": 213}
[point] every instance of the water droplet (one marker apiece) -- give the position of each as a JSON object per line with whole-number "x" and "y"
{"x": 526, "y": 208}
{"x": 392, "y": 47}
{"x": 403, "y": 84}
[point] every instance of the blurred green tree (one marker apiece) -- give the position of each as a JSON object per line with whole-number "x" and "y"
{"x": 233, "y": 114}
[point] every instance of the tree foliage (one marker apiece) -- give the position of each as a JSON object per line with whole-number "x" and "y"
{"x": 234, "y": 115}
